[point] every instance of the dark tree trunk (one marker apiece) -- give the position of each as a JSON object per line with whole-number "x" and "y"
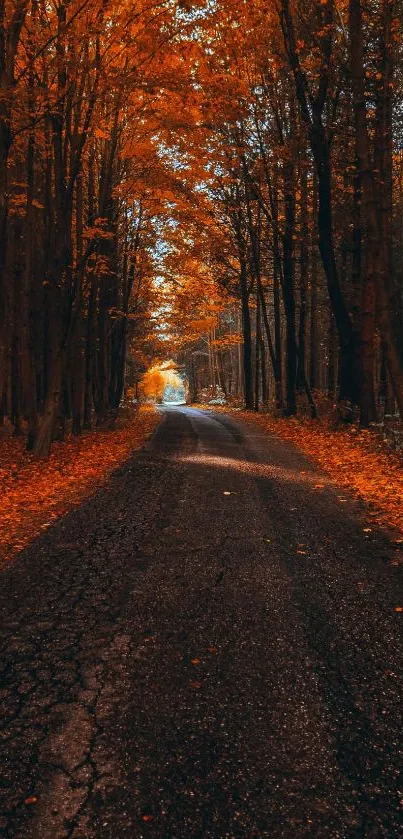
{"x": 332, "y": 360}
{"x": 247, "y": 337}
{"x": 288, "y": 287}
{"x": 303, "y": 277}
{"x": 313, "y": 303}
{"x": 78, "y": 371}
{"x": 377, "y": 281}
{"x": 258, "y": 342}
{"x": 312, "y": 109}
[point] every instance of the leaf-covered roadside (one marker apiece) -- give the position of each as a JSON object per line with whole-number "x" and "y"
{"x": 35, "y": 493}
{"x": 356, "y": 459}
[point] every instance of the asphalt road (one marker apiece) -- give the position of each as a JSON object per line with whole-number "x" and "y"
{"x": 207, "y": 648}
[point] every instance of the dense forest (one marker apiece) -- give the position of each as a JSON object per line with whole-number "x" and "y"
{"x": 217, "y": 181}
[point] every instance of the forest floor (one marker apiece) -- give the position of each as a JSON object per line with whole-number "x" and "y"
{"x": 34, "y": 493}
{"x": 357, "y": 459}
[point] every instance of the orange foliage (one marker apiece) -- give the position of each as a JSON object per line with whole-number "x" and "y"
{"x": 158, "y": 378}
{"x": 35, "y": 494}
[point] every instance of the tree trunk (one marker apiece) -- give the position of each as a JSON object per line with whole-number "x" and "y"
{"x": 376, "y": 273}
{"x": 51, "y": 409}
{"x": 257, "y": 353}
{"x": 78, "y": 369}
{"x": 28, "y": 370}
{"x": 288, "y": 287}
{"x": 247, "y": 338}
{"x": 312, "y": 107}
{"x": 303, "y": 276}
{"x": 5, "y": 143}
{"x": 332, "y": 360}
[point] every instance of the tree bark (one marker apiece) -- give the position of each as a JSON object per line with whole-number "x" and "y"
{"x": 312, "y": 108}
{"x": 376, "y": 268}
{"x": 288, "y": 287}
{"x": 247, "y": 337}
{"x": 303, "y": 276}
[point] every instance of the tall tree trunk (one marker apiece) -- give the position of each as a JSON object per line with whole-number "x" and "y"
{"x": 77, "y": 378}
{"x": 247, "y": 337}
{"x": 332, "y": 360}
{"x": 376, "y": 269}
{"x": 54, "y": 377}
{"x": 28, "y": 370}
{"x": 258, "y": 342}
{"x": 303, "y": 276}
{"x": 5, "y": 142}
{"x": 313, "y": 304}
{"x": 288, "y": 287}
{"x": 16, "y": 384}
{"x": 312, "y": 111}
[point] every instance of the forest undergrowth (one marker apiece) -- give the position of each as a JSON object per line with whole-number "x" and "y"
{"x": 36, "y": 493}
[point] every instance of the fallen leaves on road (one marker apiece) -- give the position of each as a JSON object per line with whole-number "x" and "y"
{"x": 36, "y": 493}
{"x": 357, "y": 459}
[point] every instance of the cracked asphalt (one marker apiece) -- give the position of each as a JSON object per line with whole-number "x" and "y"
{"x": 208, "y": 647}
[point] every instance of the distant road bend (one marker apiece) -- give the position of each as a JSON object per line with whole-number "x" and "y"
{"x": 207, "y": 649}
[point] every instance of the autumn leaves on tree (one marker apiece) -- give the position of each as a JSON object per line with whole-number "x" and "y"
{"x": 224, "y": 176}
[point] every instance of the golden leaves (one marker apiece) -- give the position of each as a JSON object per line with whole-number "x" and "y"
{"x": 158, "y": 378}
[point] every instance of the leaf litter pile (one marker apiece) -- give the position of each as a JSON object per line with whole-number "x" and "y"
{"x": 36, "y": 493}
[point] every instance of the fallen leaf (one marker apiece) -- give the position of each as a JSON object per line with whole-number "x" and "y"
{"x": 195, "y": 660}
{"x": 399, "y": 609}
{"x": 212, "y": 650}
{"x": 195, "y": 685}
{"x": 32, "y": 799}
{"x": 147, "y": 817}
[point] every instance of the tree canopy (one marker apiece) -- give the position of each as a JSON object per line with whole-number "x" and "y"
{"x": 219, "y": 181}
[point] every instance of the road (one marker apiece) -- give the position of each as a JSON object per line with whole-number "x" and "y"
{"x": 209, "y": 648}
